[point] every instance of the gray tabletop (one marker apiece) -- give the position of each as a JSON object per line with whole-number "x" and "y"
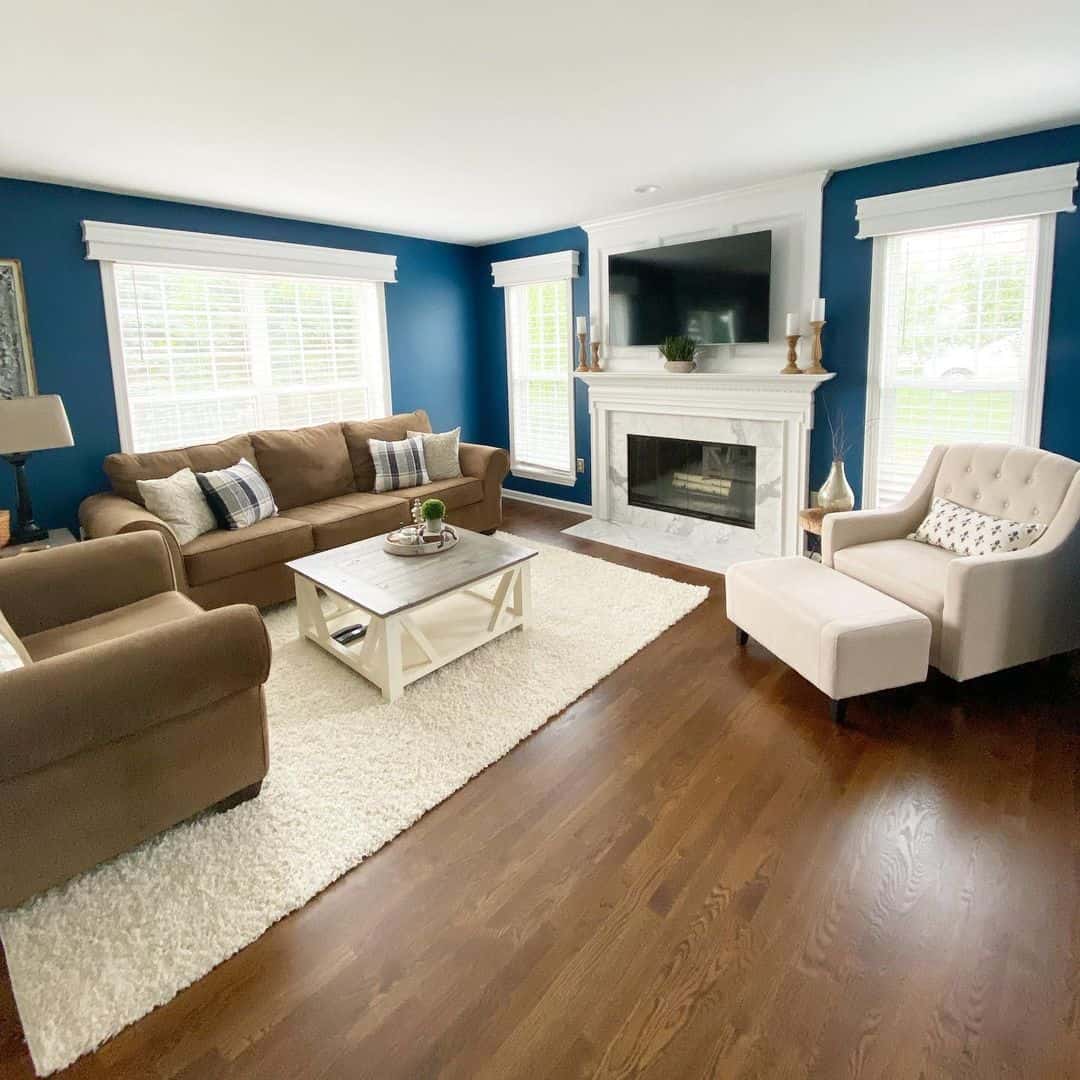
{"x": 386, "y": 584}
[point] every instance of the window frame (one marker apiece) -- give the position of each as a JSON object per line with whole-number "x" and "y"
{"x": 517, "y": 466}
{"x": 110, "y": 244}
{"x": 559, "y": 267}
{"x": 1032, "y": 402}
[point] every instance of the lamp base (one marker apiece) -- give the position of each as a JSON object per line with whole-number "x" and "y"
{"x": 25, "y": 530}
{"x": 29, "y": 532}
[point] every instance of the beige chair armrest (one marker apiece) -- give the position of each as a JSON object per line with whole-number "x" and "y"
{"x": 58, "y": 707}
{"x": 1016, "y": 606}
{"x": 107, "y": 514}
{"x": 66, "y": 584}
{"x": 839, "y": 531}
{"x": 489, "y": 464}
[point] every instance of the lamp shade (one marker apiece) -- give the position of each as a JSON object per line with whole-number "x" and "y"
{"x": 33, "y": 423}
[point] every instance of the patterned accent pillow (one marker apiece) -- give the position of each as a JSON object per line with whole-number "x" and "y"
{"x": 180, "y": 503}
{"x": 398, "y": 464}
{"x": 13, "y": 652}
{"x": 238, "y": 495}
{"x": 969, "y": 532}
{"x": 441, "y": 453}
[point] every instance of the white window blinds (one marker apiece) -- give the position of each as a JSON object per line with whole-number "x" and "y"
{"x": 953, "y": 341}
{"x": 539, "y": 359}
{"x": 210, "y": 353}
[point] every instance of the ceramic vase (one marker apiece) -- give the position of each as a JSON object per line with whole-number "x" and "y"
{"x": 433, "y": 527}
{"x": 680, "y": 365}
{"x": 836, "y": 493}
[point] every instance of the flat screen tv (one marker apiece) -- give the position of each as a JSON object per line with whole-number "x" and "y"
{"x": 715, "y": 291}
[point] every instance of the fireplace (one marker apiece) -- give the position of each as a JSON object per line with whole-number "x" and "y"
{"x": 714, "y": 481}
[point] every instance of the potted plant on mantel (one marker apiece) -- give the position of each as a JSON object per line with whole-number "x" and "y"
{"x": 679, "y": 352}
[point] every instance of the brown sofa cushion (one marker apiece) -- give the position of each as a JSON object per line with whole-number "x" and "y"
{"x": 151, "y": 611}
{"x": 125, "y": 470}
{"x": 304, "y": 466}
{"x": 389, "y": 429}
{"x": 225, "y": 552}
{"x": 463, "y": 491}
{"x": 351, "y": 517}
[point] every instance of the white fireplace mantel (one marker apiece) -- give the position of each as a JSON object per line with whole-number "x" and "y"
{"x": 785, "y": 402}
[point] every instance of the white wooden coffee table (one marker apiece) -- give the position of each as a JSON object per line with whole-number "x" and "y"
{"x": 417, "y": 614}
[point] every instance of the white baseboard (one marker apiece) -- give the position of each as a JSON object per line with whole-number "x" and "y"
{"x": 544, "y": 500}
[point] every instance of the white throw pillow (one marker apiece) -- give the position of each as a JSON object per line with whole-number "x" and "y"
{"x": 180, "y": 503}
{"x": 441, "y": 453}
{"x": 969, "y": 532}
{"x": 13, "y": 652}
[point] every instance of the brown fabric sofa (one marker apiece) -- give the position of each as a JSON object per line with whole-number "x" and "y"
{"x": 322, "y": 479}
{"x": 139, "y": 708}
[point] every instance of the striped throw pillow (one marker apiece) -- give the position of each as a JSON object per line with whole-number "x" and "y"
{"x": 398, "y": 464}
{"x": 238, "y": 495}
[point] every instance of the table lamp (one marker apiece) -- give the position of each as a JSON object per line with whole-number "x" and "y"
{"x": 28, "y": 424}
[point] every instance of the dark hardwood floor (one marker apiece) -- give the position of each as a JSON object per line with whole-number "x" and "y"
{"x": 690, "y": 872}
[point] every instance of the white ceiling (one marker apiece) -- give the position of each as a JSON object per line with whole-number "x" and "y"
{"x": 473, "y": 121}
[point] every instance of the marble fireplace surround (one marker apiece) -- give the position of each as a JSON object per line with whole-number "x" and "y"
{"x": 774, "y": 413}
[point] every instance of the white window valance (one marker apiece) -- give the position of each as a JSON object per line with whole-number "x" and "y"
{"x": 108, "y": 242}
{"x": 556, "y": 266}
{"x": 993, "y": 198}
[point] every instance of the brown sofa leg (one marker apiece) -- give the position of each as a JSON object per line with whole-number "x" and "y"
{"x": 489, "y": 532}
{"x": 838, "y": 711}
{"x": 238, "y": 797}
{"x": 741, "y": 636}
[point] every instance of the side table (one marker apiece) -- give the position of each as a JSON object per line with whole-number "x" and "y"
{"x": 57, "y": 538}
{"x": 810, "y": 521}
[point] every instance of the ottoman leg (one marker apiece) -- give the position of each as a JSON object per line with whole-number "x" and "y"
{"x": 741, "y": 636}
{"x": 838, "y": 711}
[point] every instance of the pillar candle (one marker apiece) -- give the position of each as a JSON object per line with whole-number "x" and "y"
{"x": 581, "y": 324}
{"x": 817, "y": 310}
{"x": 792, "y": 324}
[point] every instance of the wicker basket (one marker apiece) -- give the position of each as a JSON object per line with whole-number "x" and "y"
{"x": 5, "y": 527}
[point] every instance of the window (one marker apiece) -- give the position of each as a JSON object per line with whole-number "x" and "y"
{"x": 960, "y": 301}
{"x": 539, "y": 358}
{"x": 955, "y": 338}
{"x": 201, "y": 353}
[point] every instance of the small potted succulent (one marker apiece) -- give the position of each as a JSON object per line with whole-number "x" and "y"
{"x": 679, "y": 352}
{"x": 433, "y": 512}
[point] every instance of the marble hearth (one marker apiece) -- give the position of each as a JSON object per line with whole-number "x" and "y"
{"x": 773, "y": 413}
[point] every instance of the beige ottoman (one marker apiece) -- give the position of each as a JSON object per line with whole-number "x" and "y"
{"x": 843, "y": 636}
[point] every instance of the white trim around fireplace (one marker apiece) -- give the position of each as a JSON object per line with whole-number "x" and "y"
{"x": 779, "y": 408}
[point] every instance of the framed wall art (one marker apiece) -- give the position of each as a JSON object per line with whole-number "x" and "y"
{"x": 17, "y": 377}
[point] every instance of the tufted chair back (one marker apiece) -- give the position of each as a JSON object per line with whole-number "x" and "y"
{"x": 1016, "y": 482}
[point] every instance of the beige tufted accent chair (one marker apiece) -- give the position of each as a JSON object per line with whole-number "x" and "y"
{"x": 988, "y": 612}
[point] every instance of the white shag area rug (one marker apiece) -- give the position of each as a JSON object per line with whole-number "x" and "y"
{"x": 348, "y": 773}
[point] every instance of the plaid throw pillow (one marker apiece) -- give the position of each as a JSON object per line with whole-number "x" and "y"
{"x": 398, "y": 464}
{"x": 238, "y": 495}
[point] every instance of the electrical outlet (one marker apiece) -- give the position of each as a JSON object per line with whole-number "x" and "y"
{"x": 580, "y": 464}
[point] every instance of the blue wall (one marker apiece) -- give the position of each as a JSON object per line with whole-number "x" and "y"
{"x": 431, "y": 315}
{"x": 491, "y": 358}
{"x": 446, "y": 320}
{"x": 845, "y": 282}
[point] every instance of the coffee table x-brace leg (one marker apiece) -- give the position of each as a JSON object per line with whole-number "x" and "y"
{"x": 378, "y": 656}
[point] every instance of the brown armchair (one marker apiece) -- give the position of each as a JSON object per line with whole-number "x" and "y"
{"x": 139, "y": 709}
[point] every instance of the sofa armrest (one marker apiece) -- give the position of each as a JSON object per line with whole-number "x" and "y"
{"x": 107, "y": 514}
{"x": 93, "y": 696}
{"x": 52, "y": 588}
{"x": 489, "y": 464}
{"x": 854, "y": 527}
{"x": 1016, "y": 606}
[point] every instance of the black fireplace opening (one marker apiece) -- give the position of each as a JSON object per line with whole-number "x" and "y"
{"x": 714, "y": 481}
